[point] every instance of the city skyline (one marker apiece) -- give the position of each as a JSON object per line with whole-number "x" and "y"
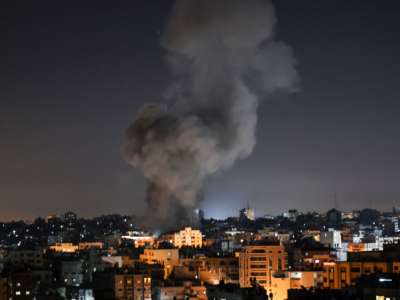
{"x": 76, "y": 75}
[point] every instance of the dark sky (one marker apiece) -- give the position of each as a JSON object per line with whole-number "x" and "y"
{"x": 74, "y": 73}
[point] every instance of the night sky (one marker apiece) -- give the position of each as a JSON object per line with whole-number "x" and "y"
{"x": 74, "y": 73}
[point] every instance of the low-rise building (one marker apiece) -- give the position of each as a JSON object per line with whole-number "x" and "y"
{"x": 185, "y": 291}
{"x": 169, "y": 258}
{"x": 64, "y": 247}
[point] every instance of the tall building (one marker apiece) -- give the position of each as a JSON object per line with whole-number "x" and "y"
{"x": 396, "y": 227}
{"x": 259, "y": 262}
{"x": 246, "y": 214}
{"x": 132, "y": 286}
{"x": 70, "y": 220}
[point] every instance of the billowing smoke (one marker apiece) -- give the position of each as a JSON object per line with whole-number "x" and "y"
{"x": 224, "y": 59}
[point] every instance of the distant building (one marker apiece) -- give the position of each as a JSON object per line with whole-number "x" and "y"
{"x": 369, "y": 217}
{"x": 64, "y": 247}
{"x": 246, "y": 214}
{"x": 331, "y": 238}
{"x": 185, "y": 291}
{"x": 169, "y": 258}
{"x": 322, "y": 294}
{"x": 71, "y": 272}
{"x": 90, "y": 245}
{"x": 198, "y": 216}
{"x": 187, "y": 237}
{"x": 27, "y": 257}
{"x": 334, "y": 218}
{"x": 210, "y": 270}
{"x": 21, "y": 286}
{"x": 396, "y": 227}
{"x": 70, "y": 220}
{"x": 139, "y": 238}
{"x": 291, "y": 214}
{"x": 235, "y": 292}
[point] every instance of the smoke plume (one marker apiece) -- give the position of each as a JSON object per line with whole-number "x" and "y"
{"x": 224, "y": 58}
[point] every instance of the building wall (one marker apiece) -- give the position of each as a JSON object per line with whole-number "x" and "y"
{"x": 188, "y": 237}
{"x": 33, "y": 258}
{"x": 341, "y": 274}
{"x": 331, "y": 238}
{"x": 294, "y": 280}
{"x": 132, "y": 286}
{"x": 210, "y": 270}
{"x": 181, "y": 293}
{"x": 169, "y": 258}
{"x": 260, "y": 263}
{"x": 21, "y": 286}
{"x": 90, "y": 245}
{"x": 64, "y": 247}
{"x": 72, "y": 272}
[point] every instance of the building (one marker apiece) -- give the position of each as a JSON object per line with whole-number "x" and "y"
{"x": 210, "y": 270}
{"x": 24, "y": 283}
{"x": 90, "y": 245}
{"x": 259, "y": 262}
{"x": 187, "y": 237}
{"x": 331, "y": 238}
{"x": 342, "y": 274}
{"x": 322, "y": 294}
{"x": 132, "y": 286}
{"x": 70, "y": 219}
{"x": 21, "y": 285}
{"x": 122, "y": 284}
{"x": 139, "y": 238}
{"x": 168, "y": 258}
{"x": 183, "y": 292}
{"x": 64, "y": 248}
{"x": 284, "y": 281}
{"x": 246, "y": 214}
{"x": 71, "y": 272}
{"x": 379, "y": 287}
{"x": 27, "y": 257}
{"x": 235, "y": 292}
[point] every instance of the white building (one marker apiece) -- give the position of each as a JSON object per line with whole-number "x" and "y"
{"x": 187, "y": 237}
{"x": 331, "y": 238}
